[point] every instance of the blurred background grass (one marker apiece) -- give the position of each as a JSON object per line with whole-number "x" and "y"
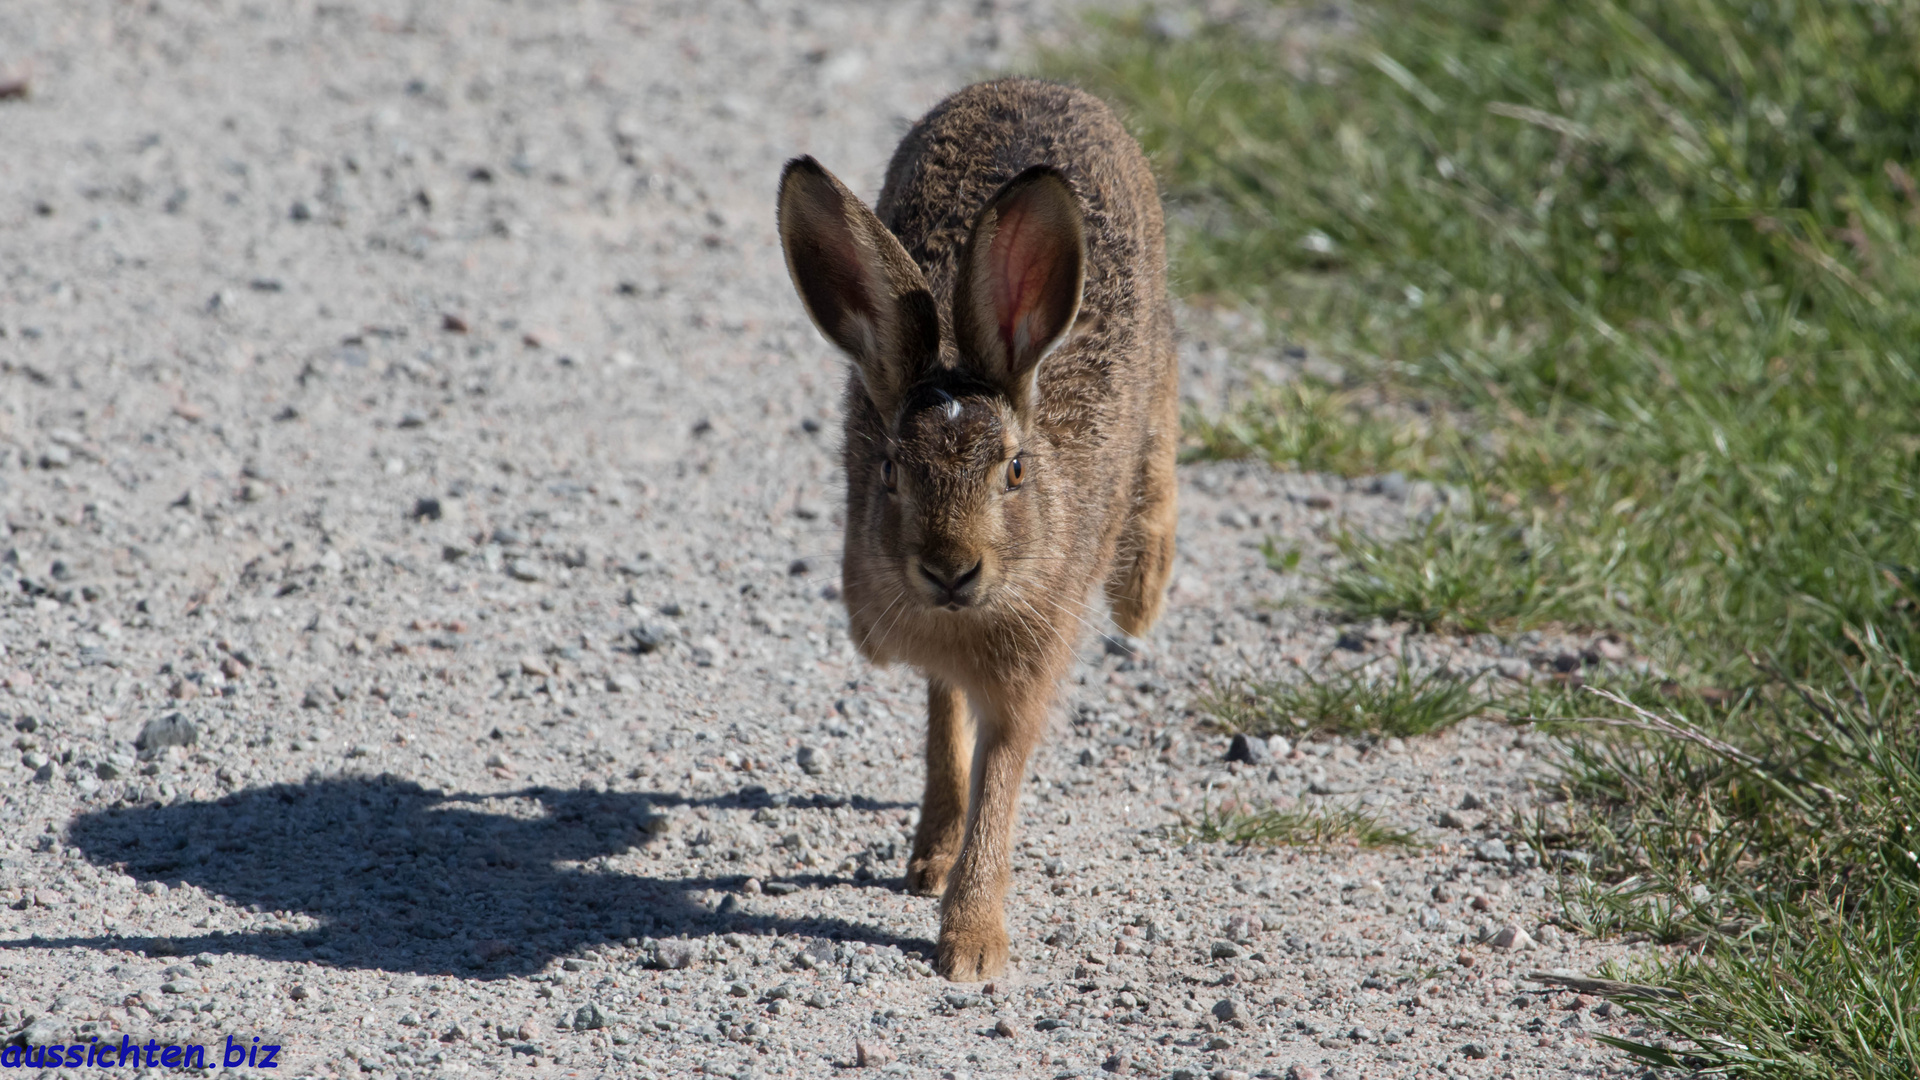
{"x": 1648, "y": 271}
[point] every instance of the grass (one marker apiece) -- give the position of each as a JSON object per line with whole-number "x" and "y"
{"x": 1679, "y": 304}
{"x": 1274, "y": 827}
{"x": 1787, "y": 869}
{"x": 1659, "y": 260}
{"x": 1466, "y": 570}
{"x": 1357, "y": 702}
{"x": 1301, "y": 425}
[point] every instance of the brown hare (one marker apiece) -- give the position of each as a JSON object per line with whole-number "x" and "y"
{"x": 1010, "y": 436}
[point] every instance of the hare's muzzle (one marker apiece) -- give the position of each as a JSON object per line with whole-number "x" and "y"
{"x": 952, "y": 587}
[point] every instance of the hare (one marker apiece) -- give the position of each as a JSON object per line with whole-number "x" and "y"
{"x": 1011, "y": 427}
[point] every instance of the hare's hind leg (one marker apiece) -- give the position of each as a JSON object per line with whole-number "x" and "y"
{"x": 943, "y": 811}
{"x": 1137, "y": 586}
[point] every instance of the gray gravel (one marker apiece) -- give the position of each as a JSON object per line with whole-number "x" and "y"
{"x": 421, "y": 645}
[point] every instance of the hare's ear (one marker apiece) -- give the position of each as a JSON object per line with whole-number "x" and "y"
{"x": 1019, "y": 281}
{"x": 859, "y": 285}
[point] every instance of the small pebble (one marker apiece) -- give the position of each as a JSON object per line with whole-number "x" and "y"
{"x": 672, "y": 954}
{"x": 1512, "y": 937}
{"x": 648, "y": 637}
{"x": 1242, "y": 927}
{"x": 1250, "y": 750}
{"x": 44, "y": 1030}
{"x": 173, "y": 729}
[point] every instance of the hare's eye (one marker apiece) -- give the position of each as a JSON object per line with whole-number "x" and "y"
{"x": 1016, "y": 473}
{"x": 886, "y": 473}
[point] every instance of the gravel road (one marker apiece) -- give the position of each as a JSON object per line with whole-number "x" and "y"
{"x": 421, "y": 646}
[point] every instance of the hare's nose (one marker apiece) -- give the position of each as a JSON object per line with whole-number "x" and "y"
{"x": 953, "y": 586}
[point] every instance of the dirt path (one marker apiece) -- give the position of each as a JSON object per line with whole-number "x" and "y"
{"x": 408, "y": 397}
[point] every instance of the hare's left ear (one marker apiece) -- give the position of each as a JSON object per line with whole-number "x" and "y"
{"x": 1019, "y": 281}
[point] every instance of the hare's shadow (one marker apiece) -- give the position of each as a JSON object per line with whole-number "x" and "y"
{"x": 401, "y": 878}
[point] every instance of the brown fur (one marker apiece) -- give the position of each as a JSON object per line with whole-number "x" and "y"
{"x": 1018, "y": 215}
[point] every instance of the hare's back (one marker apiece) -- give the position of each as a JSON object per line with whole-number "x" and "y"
{"x": 962, "y": 151}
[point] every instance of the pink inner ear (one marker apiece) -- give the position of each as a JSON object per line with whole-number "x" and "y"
{"x": 1021, "y": 276}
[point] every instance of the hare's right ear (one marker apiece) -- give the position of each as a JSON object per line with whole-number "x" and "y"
{"x": 859, "y": 285}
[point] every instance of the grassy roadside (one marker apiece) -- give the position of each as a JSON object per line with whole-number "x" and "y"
{"x": 1369, "y": 700}
{"x": 1660, "y": 264}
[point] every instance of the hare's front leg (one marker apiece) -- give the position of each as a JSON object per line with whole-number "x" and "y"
{"x": 943, "y": 811}
{"x": 973, "y": 924}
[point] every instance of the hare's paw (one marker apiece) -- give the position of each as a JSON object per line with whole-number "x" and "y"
{"x": 972, "y": 955}
{"x": 927, "y": 874}
{"x": 936, "y": 845}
